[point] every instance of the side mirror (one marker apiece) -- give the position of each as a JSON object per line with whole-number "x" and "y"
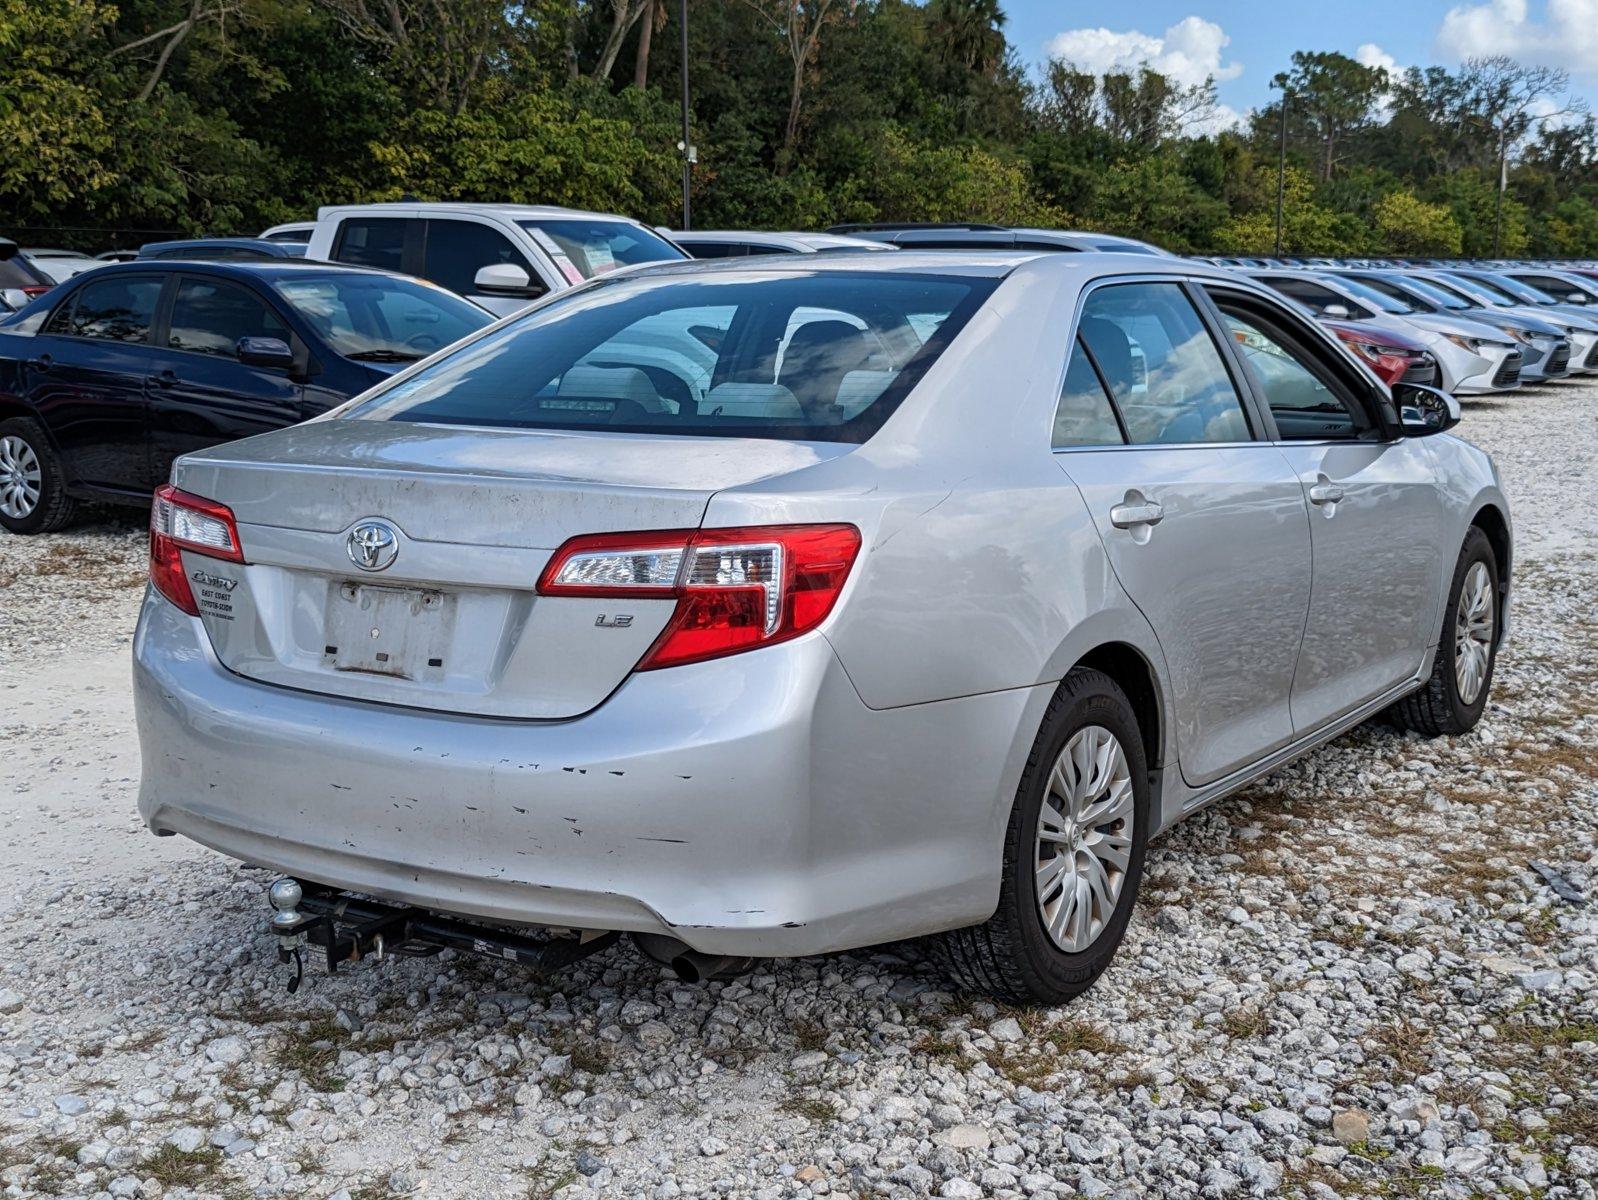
{"x": 269, "y": 352}
{"x": 1423, "y": 411}
{"x": 1575, "y": 297}
{"x": 1337, "y": 312}
{"x": 505, "y": 279}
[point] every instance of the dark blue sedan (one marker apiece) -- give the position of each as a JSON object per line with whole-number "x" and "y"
{"x": 109, "y": 377}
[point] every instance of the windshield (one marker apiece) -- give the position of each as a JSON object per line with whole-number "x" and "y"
{"x": 1523, "y": 292}
{"x": 1438, "y": 296}
{"x": 822, "y": 356}
{"x": 1381, "y": 300}
{"x": 594, "y": 246}
{"x": 381, "y": 318}
{"x": 1480, "y": 292}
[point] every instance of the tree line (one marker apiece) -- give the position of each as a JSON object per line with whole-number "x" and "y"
{"x": 222, "y": 116}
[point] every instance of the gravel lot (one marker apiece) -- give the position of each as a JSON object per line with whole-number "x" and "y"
{"x": 1348, "y": 982}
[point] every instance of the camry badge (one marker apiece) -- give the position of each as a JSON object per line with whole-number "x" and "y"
{"x": 372, "y": 546}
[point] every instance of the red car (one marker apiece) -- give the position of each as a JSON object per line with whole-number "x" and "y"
{"x": 1394, "y": 356}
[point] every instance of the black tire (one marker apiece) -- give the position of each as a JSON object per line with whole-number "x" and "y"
{"x": 1011, "y": 955}
{"x": 55, "y": 509}
{"x": 1436, "y": 708}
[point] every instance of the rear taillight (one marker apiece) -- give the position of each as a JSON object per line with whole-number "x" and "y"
{"x": 736, "y": 589}
{"x": 178, "y": 522}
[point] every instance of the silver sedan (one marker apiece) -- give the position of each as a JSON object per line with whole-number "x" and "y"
{"x": 774, "y": 608}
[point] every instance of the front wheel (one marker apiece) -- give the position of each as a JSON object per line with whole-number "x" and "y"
{"x": 1073, "y": 853}
{"x": 1455, "y": 694}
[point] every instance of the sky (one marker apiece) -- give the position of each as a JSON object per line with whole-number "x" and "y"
{"x": 1244, "y": 43}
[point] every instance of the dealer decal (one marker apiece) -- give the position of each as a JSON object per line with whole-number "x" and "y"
{"x": 214, "y": 594}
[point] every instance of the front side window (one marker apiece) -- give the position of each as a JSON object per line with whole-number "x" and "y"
{"x": 377, "y": 318}
{"x": 209, "y": 316}
{"x": 372, "y": 242}
{"x": 597, "y": 246}
{"x": 456, "y": 250}
{"x": 823, "y": 356}
{"x": 1085, "y": 416}
{"x": 1164, "y": 371}
{"x": 1301, "y": 396}
{"x": 120, "y": 308}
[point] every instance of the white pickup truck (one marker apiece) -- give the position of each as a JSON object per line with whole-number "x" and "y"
{"x": 502, "y": 256}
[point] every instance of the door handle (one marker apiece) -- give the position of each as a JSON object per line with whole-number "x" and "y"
{"x": 1325, "y": 492}
{"x": 165, "y": 379}
{"x": 1130, "y": 516}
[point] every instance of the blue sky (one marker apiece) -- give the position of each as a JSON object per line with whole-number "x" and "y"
{"x": 1243, "y": 44}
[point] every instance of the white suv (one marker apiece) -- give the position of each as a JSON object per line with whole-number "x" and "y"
{"x": 503, "y": 256}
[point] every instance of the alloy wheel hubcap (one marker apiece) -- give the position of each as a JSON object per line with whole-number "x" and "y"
{"x": 1473, "y": 632}
{"x": 20, "y": 477}
{"x": 1084, "y": 839}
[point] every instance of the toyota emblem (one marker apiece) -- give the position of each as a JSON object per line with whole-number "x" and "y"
{"x": 372, "y": 546}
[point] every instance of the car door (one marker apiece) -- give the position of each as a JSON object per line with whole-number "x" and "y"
{"x": 455, "y": 249}
{"x": 200, "y": 394}
{"x": 85, "y": 377}
{"x": 1204, "y": 522}
{"x": 1378, "y": 523}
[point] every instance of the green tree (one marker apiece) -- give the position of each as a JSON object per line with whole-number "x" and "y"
{"x": 1335, "y": 97}
{"x": 1406, "y": 225}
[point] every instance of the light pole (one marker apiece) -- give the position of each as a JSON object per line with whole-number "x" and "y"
{"x": 687, "y": 145}
{"x": 1281, "y": 164}
{"x": 1503, "y": 182}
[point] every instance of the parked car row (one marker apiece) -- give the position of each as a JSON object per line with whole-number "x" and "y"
{"x": 105, "y": 378}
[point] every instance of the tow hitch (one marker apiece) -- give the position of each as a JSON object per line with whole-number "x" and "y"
{"x": 349, "y": 928}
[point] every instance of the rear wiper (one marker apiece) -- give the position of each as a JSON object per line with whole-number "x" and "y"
{"x": 384, "y": 356}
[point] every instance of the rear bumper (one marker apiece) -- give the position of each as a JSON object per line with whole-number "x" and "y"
{"x": 748, "y": 806}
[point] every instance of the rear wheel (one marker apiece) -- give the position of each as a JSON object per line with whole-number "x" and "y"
{"x": 33, "y": 496}
{"x": 1073, "y": 853}
{"x": 1455, "y": 695}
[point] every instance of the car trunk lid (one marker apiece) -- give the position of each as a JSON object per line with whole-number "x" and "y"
{"x": 397, "y": 563}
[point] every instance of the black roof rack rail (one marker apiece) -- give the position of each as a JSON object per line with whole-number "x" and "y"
{"x": 886, "y": 226}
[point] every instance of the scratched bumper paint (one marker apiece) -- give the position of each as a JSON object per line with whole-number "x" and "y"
{"x": 751, "y": 805}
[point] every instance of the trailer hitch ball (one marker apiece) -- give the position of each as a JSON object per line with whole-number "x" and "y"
{"x": 285, "y": 896}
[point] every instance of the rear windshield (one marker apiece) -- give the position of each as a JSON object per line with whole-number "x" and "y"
{"x": 595, "y": 247}
{"x": 15, "y": 273}
{"x": 382, "y": 318}
{"x": 823, "y": 356}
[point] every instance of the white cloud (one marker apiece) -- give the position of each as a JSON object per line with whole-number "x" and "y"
{"x": 1369, "y": 54}
{"x": 1189, "y": 52}
{"x": 1564, "y": 34}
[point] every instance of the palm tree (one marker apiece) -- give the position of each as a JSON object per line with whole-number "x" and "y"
{"x": 968, "y": 33}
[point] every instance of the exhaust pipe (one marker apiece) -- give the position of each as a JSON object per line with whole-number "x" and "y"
{"x": 690, "y": 965}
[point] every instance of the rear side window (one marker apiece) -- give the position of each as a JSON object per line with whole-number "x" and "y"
{"x": 117, "y": 309}
{"x": 1164, "y": 371}
{"x": 456, "y": 250}
{"x": 372, "y": 242}
{"x": 209, "y": 316}
{"x": 824, "y": 356}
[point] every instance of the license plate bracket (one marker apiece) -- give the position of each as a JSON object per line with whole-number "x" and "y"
{"x": 396, "y": 631}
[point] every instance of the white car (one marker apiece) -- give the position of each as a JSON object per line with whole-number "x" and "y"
{"x": 502, "y": 256}
{"x": 59, "y": 265}
{"x": 740, "y": 243}
{"x": 293, "y": 231}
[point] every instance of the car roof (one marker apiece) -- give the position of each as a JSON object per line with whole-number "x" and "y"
{"x": 512, "y": 211}
{"x": 992, "y": 264}
{"x": 276, "y": 249}
{"x": 774, "y": 237}
{"x": 269, "y": 270}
